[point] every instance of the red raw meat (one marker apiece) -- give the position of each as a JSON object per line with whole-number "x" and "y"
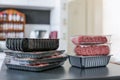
{"x": 39, "y": 64}
{"x": 92, "y": 50}
{"x": 89, "y": 39}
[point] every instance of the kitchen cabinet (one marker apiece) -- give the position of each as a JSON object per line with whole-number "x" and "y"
{"x": 12, "y": 24}
{"x": 13, "y": 2}
{"x": 37, "y": 4}
{"x": 85, "y": 16}
{"x": 42, "y": 3}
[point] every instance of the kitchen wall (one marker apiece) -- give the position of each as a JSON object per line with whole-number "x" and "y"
{"x": 94, "y": 16}
{"x": 86, "y": 15}
{"x": 111, "y": 24}
{"x": 31, "y": 27}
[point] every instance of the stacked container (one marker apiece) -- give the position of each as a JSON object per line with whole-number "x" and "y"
{"x": 33, "y": 54}
{"x": 91, "y": 51}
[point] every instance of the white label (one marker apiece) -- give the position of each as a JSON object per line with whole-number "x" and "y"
{"x": 10, "y": 17}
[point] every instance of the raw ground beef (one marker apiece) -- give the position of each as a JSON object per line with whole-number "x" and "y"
{"x": 89, "y": 39}
{"x": 92, "y": 50}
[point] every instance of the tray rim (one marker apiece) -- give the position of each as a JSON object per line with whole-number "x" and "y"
{"x": 89, "y": 56}
{"x": 46, "y": 60}
{"x": 34, "y": 55}
{"x": 37, "y": 52}
{"x": 33, "y": 68}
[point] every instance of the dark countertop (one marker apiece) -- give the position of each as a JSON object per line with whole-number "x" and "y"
{"x": 111, "y": 72}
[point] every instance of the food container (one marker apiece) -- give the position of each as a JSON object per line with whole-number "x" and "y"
{"x": 35, "y": 68}
{"x": 31, "y": 45}
{"x": 90, "y": 39}
{"x": 34, "y": 61}
{"x": 89, "y": 61}
{"x": 92, "y": 50}
{"x": 28, "y": 61}
{"x": 34, "y": 55}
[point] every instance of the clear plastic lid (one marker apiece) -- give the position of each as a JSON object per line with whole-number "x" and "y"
{"x": 90, "y": 39}
{"x": 92, "y": 50}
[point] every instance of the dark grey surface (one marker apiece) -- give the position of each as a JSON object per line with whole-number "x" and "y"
{"x": 111, "y": 72}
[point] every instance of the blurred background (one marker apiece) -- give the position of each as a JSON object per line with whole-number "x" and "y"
{"x": 67, "y": 18}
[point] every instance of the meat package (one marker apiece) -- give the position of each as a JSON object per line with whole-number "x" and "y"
{"x": 43, "y": 62}
{"x": 92, "y": 50}
{"x": 32, "y": 54}
{"x": 36, "y": 68}
{"x": 87, "y": 39}
{"x": 32, "y": 61}
{"x": 31, "y": 44}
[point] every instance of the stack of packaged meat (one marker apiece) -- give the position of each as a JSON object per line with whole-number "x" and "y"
{"x": 43, "y": 57}
{"x": 91, "y": 45}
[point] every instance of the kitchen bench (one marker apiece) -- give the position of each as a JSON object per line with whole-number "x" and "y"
{"x": 111, "y": 72}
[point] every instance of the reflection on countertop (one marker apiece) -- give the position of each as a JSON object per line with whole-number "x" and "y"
{"x": 55, "y": 73}
{"x": 90, "y": 72}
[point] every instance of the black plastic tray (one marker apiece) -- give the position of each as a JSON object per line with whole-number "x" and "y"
{"x": 33, "y": 68}
{"x": 35, "y": 61}
{"x": 89, "y": 61}
{"x": 30, "y": 45}
{"x": 33, "y": 54}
